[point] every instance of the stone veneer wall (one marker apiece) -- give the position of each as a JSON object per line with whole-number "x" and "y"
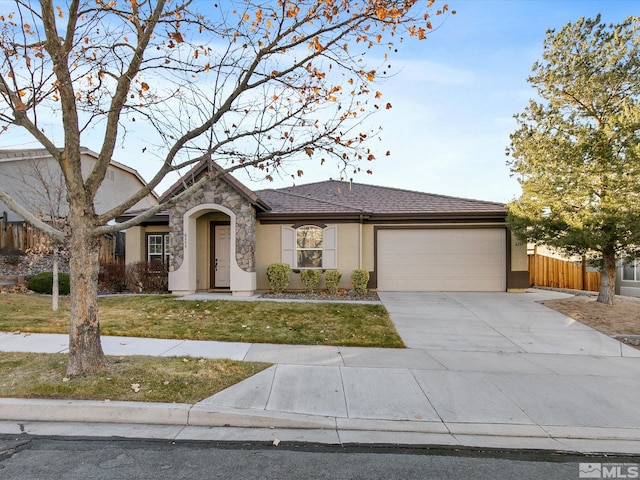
{"x": 219, "y": 193}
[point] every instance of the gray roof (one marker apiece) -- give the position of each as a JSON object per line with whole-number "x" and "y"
{"x": 336, "y": 197}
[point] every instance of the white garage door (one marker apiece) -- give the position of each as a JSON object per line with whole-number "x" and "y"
{"x": 463, "y": 260}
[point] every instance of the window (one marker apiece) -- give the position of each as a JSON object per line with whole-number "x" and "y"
{"x": 157, "y": 244}
{"x": 309, "y": 246}
{"x": 631, "y": 271}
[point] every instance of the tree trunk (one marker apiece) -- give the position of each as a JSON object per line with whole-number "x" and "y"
{"x": 608, "y": 277}
{"x": 55, "y": 288}
{"x": 85, "y": 350}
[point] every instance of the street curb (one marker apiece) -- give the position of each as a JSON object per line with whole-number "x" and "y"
{"x": 206, "y": 422}
{"x": 38, "y": 410}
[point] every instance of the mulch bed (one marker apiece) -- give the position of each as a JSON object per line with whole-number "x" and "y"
{"x": 341, "y": 296}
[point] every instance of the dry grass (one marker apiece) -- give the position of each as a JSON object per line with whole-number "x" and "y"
{"x": 255, "y": 322}
{"x": 179, "y": 380}
{"x": 622, "y": 318}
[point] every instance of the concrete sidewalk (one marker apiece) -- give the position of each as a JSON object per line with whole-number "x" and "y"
{"x": 483, "y": 370}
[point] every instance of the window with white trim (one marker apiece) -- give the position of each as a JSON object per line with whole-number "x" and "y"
{"x": 309, "y": 246}
{"x": 631, "y": 271}
{"x": 157, "y": 248}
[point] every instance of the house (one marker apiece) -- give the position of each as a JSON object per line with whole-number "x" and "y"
{"x": 23, "y": 172}
{"x": 628, "y": 278}
{"x": 225, "y": 235}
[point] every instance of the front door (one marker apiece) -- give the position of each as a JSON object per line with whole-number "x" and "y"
{"x": 220, "y": 256}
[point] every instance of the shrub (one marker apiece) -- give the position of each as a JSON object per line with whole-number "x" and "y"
{"x": 332, "y": 279}
{"x": 43, "y": 283}
{"x": 113, "y": 277}
{"x": 359, "y": 280}
{"x": 278, "y": 276}
{"x": 147, "y": 277}
{"x": 310, "y": 278}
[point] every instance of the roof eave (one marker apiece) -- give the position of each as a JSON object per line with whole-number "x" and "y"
{"x": 365, "y": 217}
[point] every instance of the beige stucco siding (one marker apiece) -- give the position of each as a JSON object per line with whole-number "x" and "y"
{"x": 136, "y": 241}
{"x": 269, "y": 250}
{"x": 519, "y": 257}
{"x": 368, "y": 252}
{"x": 348, "y": 251}
{"x": 268, "y": 242}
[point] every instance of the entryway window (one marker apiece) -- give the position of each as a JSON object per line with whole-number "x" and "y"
{"x": 309, "y": 246}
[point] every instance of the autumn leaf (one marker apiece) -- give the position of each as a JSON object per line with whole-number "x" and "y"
{"x": 378, "y": 94}
{"x": 308, "y": 151}
{"x": 144, "y": 86}
{"x": 300, "y": 173}
{"x": 176, "y": 36}
{"x": 388, "y": 106}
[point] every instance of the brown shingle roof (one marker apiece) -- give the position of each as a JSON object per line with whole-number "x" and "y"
{"x": 336, "y": 197}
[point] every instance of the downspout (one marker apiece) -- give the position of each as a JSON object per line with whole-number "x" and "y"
{"x": 360, "y": 243}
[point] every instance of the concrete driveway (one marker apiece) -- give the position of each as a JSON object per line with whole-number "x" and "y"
{"x": 494, "y": 322}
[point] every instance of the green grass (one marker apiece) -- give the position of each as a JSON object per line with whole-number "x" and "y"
{"x": 254, "y": 322}
{"x": 164, "y": 379}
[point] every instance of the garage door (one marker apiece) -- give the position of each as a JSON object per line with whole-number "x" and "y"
{"x": 441, "y": 260}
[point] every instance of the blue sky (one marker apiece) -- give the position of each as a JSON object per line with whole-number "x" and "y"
{"x": 454, "y": 97}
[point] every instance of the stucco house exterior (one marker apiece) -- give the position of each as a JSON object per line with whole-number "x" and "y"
{"x": 19, "y": 168}
{"x": 225, "y": 235}
{"x": 628, "y": 278}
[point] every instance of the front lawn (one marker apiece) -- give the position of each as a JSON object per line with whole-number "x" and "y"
{"x": 141, "y": 379}
{"x": 342, "y": 324}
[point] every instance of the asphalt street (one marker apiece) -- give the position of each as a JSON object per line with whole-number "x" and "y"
{"x": 42, "y": 458}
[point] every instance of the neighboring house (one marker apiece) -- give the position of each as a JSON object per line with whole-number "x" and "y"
{"x": 225, "y": 235}
{"x": 19, "y": 170}
{"x": 628, "y": 278}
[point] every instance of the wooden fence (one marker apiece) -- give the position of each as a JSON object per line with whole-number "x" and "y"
{"x": 552, "y": 272}
{"x": 21, "y": 236}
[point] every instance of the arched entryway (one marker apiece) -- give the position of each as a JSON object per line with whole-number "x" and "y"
{"x": 209, "y": 260}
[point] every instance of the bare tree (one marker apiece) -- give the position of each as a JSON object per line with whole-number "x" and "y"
{"x": 40, "y": 187}
{"x": 254, "y": 85}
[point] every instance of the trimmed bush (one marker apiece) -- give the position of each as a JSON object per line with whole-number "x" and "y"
{"x": 147, "y": 277}
{"x": 331, "y": 280}
{"x": 113, "y": 277}
{"x": 359, "y": 280}
{"x": 43, "y": 283}
{"x": 310, "y": 279}
{"x": 278, "y": 276}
